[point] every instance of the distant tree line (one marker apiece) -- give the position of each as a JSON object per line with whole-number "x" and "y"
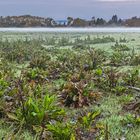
{"x": 35, "y": 21}
{"x": 26, "y": 21}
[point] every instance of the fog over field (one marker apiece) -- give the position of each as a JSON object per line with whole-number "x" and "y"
{"x": 74, "y": 30}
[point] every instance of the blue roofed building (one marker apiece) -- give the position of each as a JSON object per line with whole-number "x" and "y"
{"x": 61, "y": 22}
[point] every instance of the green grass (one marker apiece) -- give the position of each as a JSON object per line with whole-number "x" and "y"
{"x": 7, "y": 132}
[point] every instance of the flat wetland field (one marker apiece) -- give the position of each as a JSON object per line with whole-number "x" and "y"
{"x": 69, "y": 86}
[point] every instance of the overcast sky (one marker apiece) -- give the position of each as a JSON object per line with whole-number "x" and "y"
{"x": 61, "y": 9}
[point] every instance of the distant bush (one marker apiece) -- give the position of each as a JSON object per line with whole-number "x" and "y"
{"x": 135, "y": 60}
{"x": 122, "y": 40}
{"x": 120, "y": 47}
{"x": 96, "y": 40}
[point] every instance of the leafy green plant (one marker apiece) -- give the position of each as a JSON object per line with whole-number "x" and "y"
{"x": 135, "y": 60}
{"x": 99, "y": 72}
{"x": 38, "y": 111}
{"x": 107, "y": 79}
{"x": 40, "y": 61}
{"x": 119, "y": 90}
{"x": 34, "y": 75}
{"x": 62, "y": 131}
{"x": 131, "y": 120}
{"x": 97, "y": 57}
{"x": 3, "y": 86}
{"x": 88, "y": 119}
{"x": 131, "y": 77}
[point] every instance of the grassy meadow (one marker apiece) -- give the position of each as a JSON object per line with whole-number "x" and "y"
{"x": 69, "y": 86}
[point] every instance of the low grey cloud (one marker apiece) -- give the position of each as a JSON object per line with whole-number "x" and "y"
{"x": 60, "y": 9}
